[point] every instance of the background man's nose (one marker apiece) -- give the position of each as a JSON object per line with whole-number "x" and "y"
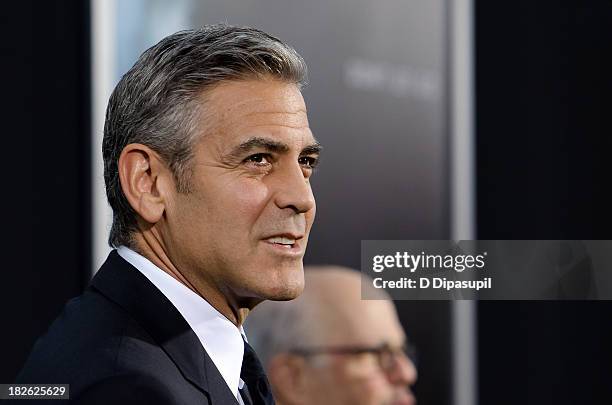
{"x": 404, "y": 373}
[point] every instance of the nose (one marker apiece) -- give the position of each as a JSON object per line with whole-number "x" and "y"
{"x": 404, "y": 373}
{"x": 293, "y": 190}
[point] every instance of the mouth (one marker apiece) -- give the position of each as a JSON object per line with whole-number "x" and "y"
{"x": 285, "y": 244}
{"x": 407, "y": 399}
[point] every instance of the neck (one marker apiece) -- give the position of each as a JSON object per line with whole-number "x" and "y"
{"x": 148, "y": 244}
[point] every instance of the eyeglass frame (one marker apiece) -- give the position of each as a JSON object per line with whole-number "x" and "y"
{"x": 380, "y": 351}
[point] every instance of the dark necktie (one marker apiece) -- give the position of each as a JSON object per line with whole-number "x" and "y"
{"x": 258, "y": 391}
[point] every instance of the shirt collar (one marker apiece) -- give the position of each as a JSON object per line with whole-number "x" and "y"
{"x": 221, "y": 339}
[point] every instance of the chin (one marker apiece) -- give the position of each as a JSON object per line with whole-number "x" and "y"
{"x": 287, "y": 285}
{"x": 287, "y": 295}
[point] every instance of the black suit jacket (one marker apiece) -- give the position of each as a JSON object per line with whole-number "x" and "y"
{"x": 123, "y": 342}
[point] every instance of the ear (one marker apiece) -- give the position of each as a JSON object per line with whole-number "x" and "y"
{"x": 145, "y": 180}
{"x": 288, "y": 377}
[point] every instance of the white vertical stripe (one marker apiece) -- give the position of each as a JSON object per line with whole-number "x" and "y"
{"x": 103, "y": 18}
{"x": 463, "y": 221}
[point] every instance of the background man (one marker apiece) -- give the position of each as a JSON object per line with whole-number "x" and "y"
{"x": 330, "y": 347}
{"x": 208, "y": 156}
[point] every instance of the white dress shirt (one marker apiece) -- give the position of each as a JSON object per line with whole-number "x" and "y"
{"x": 221, "y": 339}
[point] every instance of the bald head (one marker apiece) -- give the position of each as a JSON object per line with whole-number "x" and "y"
{"x": 330, "y": 311}
{"x": 334, "y": 294}
{"x": 331, "y": 314}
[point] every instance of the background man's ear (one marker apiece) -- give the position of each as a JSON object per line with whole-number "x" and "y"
{"x": 288, "y": 376}
{"x": 145, "y": 180}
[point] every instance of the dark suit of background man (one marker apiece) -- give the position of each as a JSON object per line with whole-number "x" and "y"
{"x": 207, "y": 160}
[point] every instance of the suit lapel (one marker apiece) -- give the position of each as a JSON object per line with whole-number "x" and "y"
{"x": 129, "y": 288}
{"x": 218, "y": 390}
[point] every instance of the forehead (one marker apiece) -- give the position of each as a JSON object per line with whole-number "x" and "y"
{"x": 239, "y": 109}
{"x": 349, "y": 320}
{"x": 374, "y": 322}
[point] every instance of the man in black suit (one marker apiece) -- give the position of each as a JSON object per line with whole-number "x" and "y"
{"x": 208, "y": 155}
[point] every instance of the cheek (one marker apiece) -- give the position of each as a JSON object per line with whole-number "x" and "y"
{"x": 324, "y": 387}
{"x": 372, "y": 390}
{"x": 365, "y": 384}
{"x": 243, "y": 200}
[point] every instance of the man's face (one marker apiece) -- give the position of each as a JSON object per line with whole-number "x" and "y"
{"x": 242, "y": 229}
{"x": 360, "y": 379}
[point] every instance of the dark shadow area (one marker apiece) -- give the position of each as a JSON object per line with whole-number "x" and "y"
{"x": 543, "y": 142}
{"x": 45, "y": 109}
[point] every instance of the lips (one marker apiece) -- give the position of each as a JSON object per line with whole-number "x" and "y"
{"x": 282, "y": 240}
{"x": 405, "y": 398}
{"x": 286, "y": 243}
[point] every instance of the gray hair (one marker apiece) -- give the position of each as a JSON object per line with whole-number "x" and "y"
{"x": 159, "y": 103}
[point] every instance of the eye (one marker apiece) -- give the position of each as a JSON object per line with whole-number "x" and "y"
{"x": 309, "y": 162}
{"x": 259, "y": 159}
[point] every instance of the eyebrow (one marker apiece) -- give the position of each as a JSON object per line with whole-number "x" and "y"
{"x": 271, "y": 145}
{"x": 313, "y": 149}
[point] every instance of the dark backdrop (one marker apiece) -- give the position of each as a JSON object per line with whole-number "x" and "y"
{"x": 45, "y": 156}
{"x": 543, "y": 162}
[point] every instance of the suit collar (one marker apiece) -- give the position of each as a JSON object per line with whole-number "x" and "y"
{"x": 221, "y": 339}
{"x": 130, "y": 289}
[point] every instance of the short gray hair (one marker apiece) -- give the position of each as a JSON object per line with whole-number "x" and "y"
{"x": 158, "y": 102}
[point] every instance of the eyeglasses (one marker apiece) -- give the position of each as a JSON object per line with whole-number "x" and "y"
{"x": 386, "y": 354}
